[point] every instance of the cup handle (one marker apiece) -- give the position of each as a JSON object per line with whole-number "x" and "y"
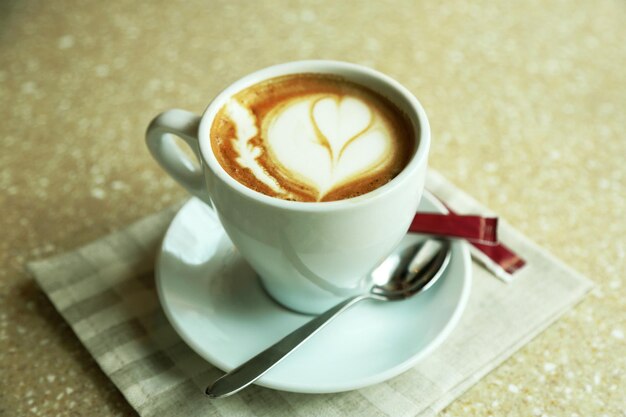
{"x": 183, "y": 124}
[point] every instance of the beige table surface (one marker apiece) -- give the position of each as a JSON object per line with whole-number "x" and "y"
{"x": 527, "y": 102}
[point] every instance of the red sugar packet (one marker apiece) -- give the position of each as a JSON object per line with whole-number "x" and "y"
{"x": 480, "y": 232}
{"x": 476, "y": 229}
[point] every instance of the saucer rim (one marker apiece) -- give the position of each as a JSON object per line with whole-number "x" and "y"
{"x": 333, "y": 386}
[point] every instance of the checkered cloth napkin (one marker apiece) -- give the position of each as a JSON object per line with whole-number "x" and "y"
{"x": 105, "y": 290}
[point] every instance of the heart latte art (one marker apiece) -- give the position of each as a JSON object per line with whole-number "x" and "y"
{"x": 311, "y": 138}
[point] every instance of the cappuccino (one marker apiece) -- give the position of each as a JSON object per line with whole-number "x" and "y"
{"x": 311, "y": 137}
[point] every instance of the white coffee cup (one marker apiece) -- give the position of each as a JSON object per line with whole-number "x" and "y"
{"x": 309, "y": 256}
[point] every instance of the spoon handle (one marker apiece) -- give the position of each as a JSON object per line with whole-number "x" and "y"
{"x": 254, "y": 368}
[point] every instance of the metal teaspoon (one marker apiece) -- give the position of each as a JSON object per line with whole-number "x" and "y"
{"x": 401, "y": 275}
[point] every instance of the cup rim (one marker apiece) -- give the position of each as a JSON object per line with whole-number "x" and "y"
{"x": 311, "y": 66}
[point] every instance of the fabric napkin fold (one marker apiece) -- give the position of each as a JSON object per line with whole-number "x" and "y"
{"x": 105, "y": 290}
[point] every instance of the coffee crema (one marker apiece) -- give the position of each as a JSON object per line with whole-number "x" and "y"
{"x": 311, "y": 137}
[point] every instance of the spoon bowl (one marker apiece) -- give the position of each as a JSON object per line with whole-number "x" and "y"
{"x": 412, "y": 270}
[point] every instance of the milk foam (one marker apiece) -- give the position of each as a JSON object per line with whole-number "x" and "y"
{"x": 321, "y": 140}
{"x": 246, "y": 128}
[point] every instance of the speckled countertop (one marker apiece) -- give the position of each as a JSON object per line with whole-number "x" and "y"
{"x": 527, "y": 105}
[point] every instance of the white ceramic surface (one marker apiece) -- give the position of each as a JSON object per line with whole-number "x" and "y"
{"x": 309, "y": 255}
{"x": 215, "y": 301}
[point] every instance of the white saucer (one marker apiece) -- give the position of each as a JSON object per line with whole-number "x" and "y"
{"x": 216, "y": 304}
